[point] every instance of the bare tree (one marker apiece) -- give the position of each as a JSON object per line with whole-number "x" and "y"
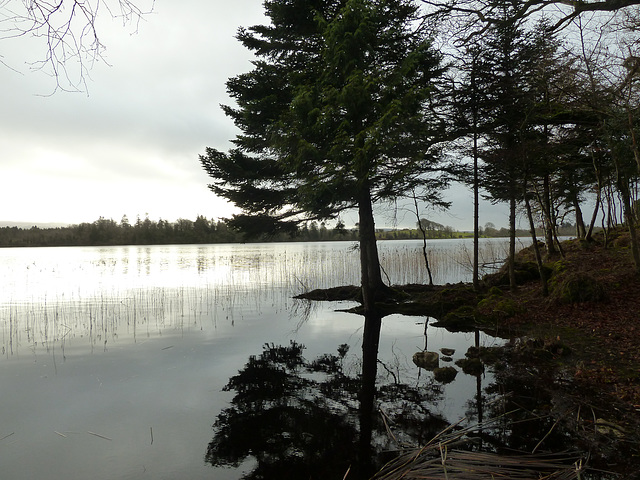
{"x": 68, "y": 31}
{"x": 476, "y": 16}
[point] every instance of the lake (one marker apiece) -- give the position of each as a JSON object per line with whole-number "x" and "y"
{"x": 114, "y": 360}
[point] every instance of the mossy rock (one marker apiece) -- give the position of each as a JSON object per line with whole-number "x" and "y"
{"x": 507, "y": 308}
{"x": 500, "y": 278}
{"x": 558, "y": 267}
{"x": 473, "y": 352}
{"x": 556, "y": 347}
{"x": 524, "y": 273}
{"x": 495, "y": 291}
{"x": 426, "y": 360}
{"x": 471, "y": 366}
{"x": 529, "y": 271}
{"x": 539, "y": 349}
{"x": 579, "y": 288}
{"x": 454, "y": 297}
{"x": 349, "y": 292}
{"x": 623, "y": 241}
{"x": 462, "y": 319}
{"x": 488, "y": 355}
{"x": 497, "y": 307}
{"x": 445, "y": 374}
{"x": 437, "y": 301}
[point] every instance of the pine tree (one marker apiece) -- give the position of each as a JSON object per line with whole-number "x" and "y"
{"x": 507, "y": 66}
{"x": 337, "y": 114}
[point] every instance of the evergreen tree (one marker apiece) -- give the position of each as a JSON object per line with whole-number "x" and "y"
{"x": 508, "y": 64}
{"x": 470, "y": 115}
{"x": 336, "y": 114}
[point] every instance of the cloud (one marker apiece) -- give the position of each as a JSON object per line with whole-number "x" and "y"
{"x": 132, "y": 144}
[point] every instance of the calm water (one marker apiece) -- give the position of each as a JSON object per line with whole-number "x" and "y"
{"x": 114, "y": 360}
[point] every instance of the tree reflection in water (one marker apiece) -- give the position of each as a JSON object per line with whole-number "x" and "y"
{"x": 308, "y": 419}
{"x": 291, "y": 418}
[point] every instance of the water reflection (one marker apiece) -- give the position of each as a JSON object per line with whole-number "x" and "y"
{"x": 58, "y": 295}
{"x": 294, "y": 418}
{"x": 124, "y": 339}
{"x": 297, "y": 418}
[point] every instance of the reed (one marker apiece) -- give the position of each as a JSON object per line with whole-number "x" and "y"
{"x": 103, "y": 303}
{"x": 442, "y": 458}
{"x": 99, "y": 436}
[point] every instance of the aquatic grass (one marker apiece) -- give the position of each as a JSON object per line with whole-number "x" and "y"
{"x": 101, "y": 320}
{"x": 105, "y": 300}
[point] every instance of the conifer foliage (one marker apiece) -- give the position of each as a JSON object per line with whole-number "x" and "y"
{"x": 336, "y": 114}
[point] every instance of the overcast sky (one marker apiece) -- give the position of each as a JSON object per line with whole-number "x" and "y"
{"x": 130, "y": 147}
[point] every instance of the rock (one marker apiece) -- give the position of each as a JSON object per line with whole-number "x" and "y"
{"x": 462, "y": 319}
{"x": 426, "y": 360}
{"x": 473, "y": 352}
{"x": 445, "y": 374}
{"x": 471, "y": 366}
{"x": 580, "y": 288}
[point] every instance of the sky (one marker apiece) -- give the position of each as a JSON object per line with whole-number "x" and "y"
{"x": 129, "y": 144}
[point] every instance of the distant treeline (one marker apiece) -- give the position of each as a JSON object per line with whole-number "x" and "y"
{"x": 150, "y": 232}
{"x": 433, "y": 230}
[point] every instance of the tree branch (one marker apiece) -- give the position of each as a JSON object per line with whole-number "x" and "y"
{"x": 68, "y": 28}
{"x": 477, "y": 16}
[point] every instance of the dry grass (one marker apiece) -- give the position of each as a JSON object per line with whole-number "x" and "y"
{"x": 440, "y": 459}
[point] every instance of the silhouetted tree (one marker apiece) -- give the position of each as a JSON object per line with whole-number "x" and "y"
{"x": 305, "y": 419}
{"x": 335, "y": 115}
{"x": 507, "y": 64}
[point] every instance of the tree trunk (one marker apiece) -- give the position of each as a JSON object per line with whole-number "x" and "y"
{"x": 581, "y": 231}
{"x": 512, "y": 243}
{"x": 536, "y": 248}
{"x": 370, "y": 342}
{"x": 629, "y": 218}
{"x": 627, "y": 210}
{"x": 594, "y": 215}
{"x": 548, "y": 216}
{"x": 634, "y": 143}
{"x": 425, "y": 254}
{"x": 476, "y": 214}
{"x": 371, "y": 276}
{"x": 371, "y": 287}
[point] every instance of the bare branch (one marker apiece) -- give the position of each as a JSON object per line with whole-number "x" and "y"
{"x": 68, "y": 30}
{"x": 476, "y": 16}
